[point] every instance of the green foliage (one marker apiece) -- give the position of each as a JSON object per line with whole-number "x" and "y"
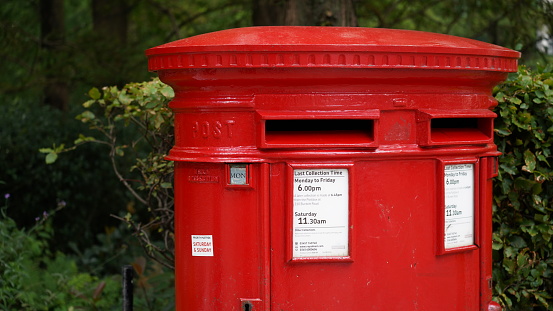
{"x": 136, "y": 126}
{"x": 93, "y": 54}
{"x": 523, "y": 192}
{"x": 81, "y": 179}
{"x": 35, "y": 279}
{"x": 154, "y": 286}
{"x": 510, "y": 23}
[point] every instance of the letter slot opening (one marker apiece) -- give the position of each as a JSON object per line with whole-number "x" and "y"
{"x": 461, "y": 130}
{"x": 297, "y": 133}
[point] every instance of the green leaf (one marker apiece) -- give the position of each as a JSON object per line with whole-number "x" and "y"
{"x": 497, "y": 246}
{"x": 151, "y": 105}
{"x": 526, "y": 81}
{"x": 88, "y": 103}
{"x": 158, "y": 121}
{"x": 509, "y": 265}
{"x": 503, "y": 131}
{"x": 530, "y": 160}
{"x": 515, "y": 100}
{"x": 119, "y": 151}
{"x": 94, "y": 93}
{"x": 51, "y": 157}
{"x": 518, "y": 242}
{"x": 86, "y": 116}
{"x": 509, "y": 169}
{"x": 522, "y": 259}
{"x": 45, "y": 150}
{"x": 124, "y": 98}
{"x": 83, "y": 139}
{"x": 526, "y": 98}
{"x": 167, "y": 91}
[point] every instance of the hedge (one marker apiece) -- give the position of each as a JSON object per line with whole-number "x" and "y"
{"x": 523, "y": 226}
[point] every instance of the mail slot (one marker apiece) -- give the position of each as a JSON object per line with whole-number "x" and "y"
{"x": 459, "y": 127}
{"x": 301, "y": 130}
{"x": 328, "y": 168}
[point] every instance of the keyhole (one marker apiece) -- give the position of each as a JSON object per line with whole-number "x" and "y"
{"x": 248, "y": 306}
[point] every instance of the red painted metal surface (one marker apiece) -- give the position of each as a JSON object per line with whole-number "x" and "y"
{"x": 322, "y": 168}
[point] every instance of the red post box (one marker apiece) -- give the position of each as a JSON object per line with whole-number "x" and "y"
{"x": 322, "y": 168}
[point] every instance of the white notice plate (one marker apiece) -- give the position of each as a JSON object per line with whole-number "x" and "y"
{"x": 202, "y": 245}
{"x": 320, "y": 213}
{"x": 459, "y": 205}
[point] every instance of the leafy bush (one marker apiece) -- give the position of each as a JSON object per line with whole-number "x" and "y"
{"x": 35, "y": 279}
{"x": 523, "y": 193}
{"x": 154, "y": 286}
{"x": 82, "y": 179}
{"x": 136, "y": 126}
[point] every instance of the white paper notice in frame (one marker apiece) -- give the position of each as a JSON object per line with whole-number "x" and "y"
{"x": 459, "y": 205}
{"x": 320, "y": 213}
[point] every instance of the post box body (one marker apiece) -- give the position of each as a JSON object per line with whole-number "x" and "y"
{"x": 333, "y": 168}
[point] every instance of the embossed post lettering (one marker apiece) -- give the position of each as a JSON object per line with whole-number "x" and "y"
{"x": 213, "y": 129}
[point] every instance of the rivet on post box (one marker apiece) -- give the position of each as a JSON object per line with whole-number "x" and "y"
{"x": 332, "y": 168}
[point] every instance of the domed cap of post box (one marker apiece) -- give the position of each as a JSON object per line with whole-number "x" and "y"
{"x": 330, "y": 47}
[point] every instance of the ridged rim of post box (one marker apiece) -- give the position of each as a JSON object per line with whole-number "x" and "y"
{"x": 330, "y": 47}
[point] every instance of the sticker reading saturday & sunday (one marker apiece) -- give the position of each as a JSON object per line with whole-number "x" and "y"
{"x": 202, "y": 245}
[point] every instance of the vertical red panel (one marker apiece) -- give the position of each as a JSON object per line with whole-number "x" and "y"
{"x": 235, "y": 219}
{"x": 488, "y": 169}
{"x": 394, "y": 237}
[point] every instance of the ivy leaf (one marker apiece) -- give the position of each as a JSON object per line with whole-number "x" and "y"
{"x": 509, "y": 265}
{"x": 522, "y": 258}
{"x": 515, "y": 100}
{"x": 530, "y": 161}
{"x": 500, "y": 96}
{"x": 508, "y": 169}
{"x": 497, "y": 246}
{"x": 503, "y": 131}
{"x": 518, "y": 242}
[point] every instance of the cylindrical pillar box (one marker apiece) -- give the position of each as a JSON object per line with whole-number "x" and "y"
{"x": 328, "y": 168}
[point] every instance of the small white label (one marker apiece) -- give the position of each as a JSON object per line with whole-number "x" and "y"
{"x": 320, "y": 213}
{"x": 238, "y": 174}
{"x": 459, "y": 205}
{"x": 202, "y": 245}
